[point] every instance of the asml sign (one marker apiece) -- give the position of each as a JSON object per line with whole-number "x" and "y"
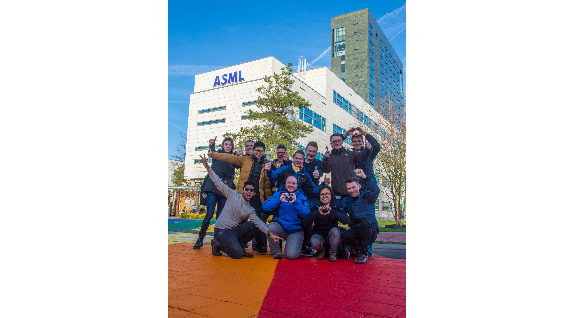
{"x": 228, "y": 80}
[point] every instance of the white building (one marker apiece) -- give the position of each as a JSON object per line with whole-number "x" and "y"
{"x": 221, "y": 98}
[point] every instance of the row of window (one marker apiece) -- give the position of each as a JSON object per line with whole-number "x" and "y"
{"x": 355, "y": 112}
{"x": 197, "y": 161}
{"x": 209, "y": 122}
{"x": 312, "y": 118}
{"x": 212, "y": 109}
{"x": 250, "y": 103}
{"x": 200, "y": 148}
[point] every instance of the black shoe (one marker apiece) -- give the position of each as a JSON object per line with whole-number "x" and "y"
{"x": 198, "y": 244}
{"x": 215, "y": 248}
{"x": 247, "y": 254}
{"x": 278, "y": 255}
{"x": 361, "y": 259}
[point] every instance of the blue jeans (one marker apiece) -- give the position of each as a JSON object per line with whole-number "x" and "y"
{"x": 213, "y": 199}
{"x": 233, "y": 241}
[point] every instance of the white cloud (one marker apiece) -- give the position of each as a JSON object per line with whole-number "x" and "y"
{"x": 322, "y": 54}
{"x": 393, "y": 23}
{"x": 191, "y": 70}
{"x": 181, "y": 129}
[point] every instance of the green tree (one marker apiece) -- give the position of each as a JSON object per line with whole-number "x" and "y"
{"x": 276, "y": 120}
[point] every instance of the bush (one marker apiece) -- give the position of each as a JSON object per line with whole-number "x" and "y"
{"x": 193, "y": 216}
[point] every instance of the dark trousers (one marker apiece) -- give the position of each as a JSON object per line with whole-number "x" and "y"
{"x": 213, "y": 199}
{"x": 233, "y": 241}
{"x": 260, "y": 238}
{"x": 360, "y": 237}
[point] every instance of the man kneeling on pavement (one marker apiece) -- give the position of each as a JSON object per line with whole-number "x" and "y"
{"x": 360, "y": 208}
{"x": 232, "y": 231}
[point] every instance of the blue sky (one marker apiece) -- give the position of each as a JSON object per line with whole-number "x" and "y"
{"x": 203, "y": 37}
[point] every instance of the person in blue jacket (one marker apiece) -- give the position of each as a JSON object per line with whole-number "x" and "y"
{"x": 292, "y": 209}
{"x": 360, "y": 208}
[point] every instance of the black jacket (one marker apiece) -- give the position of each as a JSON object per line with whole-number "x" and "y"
{"x": 341, "y": 164}
{"x": 225, "y": 171}
{"x": 322, "y": 224}
{"x": 363, "y": 205}
{"x": 368, "y": 165}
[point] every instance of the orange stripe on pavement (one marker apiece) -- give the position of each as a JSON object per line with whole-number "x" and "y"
{"x": 204, "y": 285}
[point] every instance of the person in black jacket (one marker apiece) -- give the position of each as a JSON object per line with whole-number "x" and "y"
{"x": 360, "y": 208}
{"x": 340, "y": 162}
{"x": 226, "y": 172}
{"x": 358, "y": 146}
{"x": 325, "y": 218}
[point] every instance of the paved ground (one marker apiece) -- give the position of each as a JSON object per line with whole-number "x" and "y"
{"x": 202, "y": 285}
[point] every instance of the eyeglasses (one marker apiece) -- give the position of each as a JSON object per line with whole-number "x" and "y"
{"x": 258, "y": 150}
{"x": 281, "y": 153}
{"x": 337, "y": 141}
{"x": 328, "y": 194}
{"x": 249, "y": 189}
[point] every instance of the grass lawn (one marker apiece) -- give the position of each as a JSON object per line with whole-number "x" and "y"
{"x": 382, "y": 225}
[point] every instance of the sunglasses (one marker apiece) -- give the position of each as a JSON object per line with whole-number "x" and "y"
{"x": 249, "y": 189}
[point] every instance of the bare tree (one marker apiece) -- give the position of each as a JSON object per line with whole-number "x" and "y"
{"x": 391, "y": 161}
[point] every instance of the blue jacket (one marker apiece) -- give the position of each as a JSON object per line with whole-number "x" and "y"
{"x": 290, "y": 215}
{"x": 305, "y": 182}
{"x": 363, "y": 205}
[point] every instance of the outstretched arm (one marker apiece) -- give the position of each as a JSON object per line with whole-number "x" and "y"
{"x": 227, "y": 192}
{"x": 374, "y": 145}
{"x": 227, "y": 157}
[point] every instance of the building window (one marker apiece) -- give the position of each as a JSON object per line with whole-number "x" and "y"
{"x": 197, "y": 161}
{"x": 339, "y": 130}
{"x": 210, "y": 122}
{"x": 386, "y": 206}
{"x": 249, "y": 103}
{"x": 212, "y": 109}
{"x": 312, "y": 118}
{"x": 339, "y": 42}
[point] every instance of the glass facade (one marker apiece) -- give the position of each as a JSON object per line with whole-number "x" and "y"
{"x": 312, "y": 118}
{"x": 339, "y": 42}
{"x": 212, "y": 109}
{"x": 209, "y": 122}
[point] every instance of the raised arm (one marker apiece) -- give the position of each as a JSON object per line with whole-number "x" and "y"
{"x": 375, "y": 146}
{"x": 227, "y": 192}
{"x": 370, "y": 185}
{"x": 233, "y": 159}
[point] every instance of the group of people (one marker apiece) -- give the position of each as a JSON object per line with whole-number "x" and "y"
{"x": 306, "y": 211}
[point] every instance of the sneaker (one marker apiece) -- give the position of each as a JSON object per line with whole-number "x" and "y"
{"x": 198, "y": 244}
{"x": 247, "y": 254}
{"x": 278, "y": 255}
{"x": 215, "y": 248}
{"x": 309, "y": 252}
{"x": 332, "y": 257}
{"x": 361, "y": 259}
{"x": 320, "y": 255}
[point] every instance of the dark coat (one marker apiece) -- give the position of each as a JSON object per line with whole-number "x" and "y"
{"x": 322, "y": 224}
{"x": 225, "y": 171}
{"x": 310, "y": 167}
{"x": 363, "y": 205}
{"x": 341, "y": 164}
{"x": 368, "y": 165}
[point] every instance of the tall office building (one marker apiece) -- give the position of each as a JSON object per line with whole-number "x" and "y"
{"x": 364, "y": 59}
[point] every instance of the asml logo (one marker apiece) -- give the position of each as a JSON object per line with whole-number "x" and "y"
{"x": 232, "y": 79}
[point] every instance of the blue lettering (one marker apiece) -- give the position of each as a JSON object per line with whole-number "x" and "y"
{"x": 241, "y": 77}
{"x": 216, "y": 81}
{"x": 224, "y": 77}
{"x": 233, "y": 77}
